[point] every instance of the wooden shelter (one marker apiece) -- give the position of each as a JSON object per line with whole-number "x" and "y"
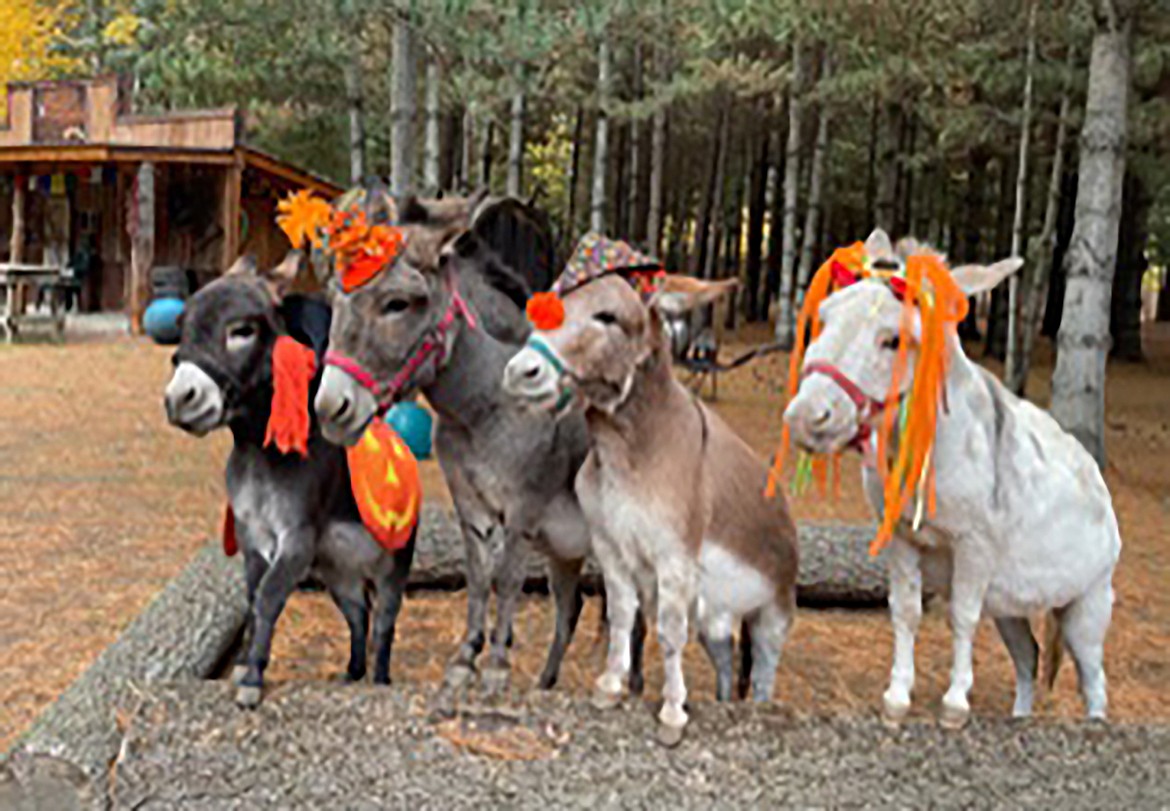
{"x": 88, "y": 184}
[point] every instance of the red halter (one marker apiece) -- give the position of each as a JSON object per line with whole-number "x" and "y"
{"x": 867, "y": 407}
{"x": 433, "y": 345}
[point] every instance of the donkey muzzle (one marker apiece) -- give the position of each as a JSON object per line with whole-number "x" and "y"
{"x": 532, "y": 378}
{"x": 344, "y": 407}
{"x": 821, "y": 418}
{"x": 193, "y": 400}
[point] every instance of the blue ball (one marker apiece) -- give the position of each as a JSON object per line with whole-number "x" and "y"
{"x": 161, "y": 320}
{"x": 412, "y": 422}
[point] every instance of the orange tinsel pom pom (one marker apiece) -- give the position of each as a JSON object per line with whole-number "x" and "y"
{"x": 546, "y": 311}
{"x": 293, "y": 367}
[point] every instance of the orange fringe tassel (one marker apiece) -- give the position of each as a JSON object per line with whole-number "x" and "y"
{"x": 941, "y": 305}
{"x": 293, "y": 367}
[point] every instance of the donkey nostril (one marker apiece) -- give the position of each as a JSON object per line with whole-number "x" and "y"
{"x": 531, "y": 372}
{"x": 342, "y": 410}
{"x": 188, "y": 397}
{"x": 822, "y": 418}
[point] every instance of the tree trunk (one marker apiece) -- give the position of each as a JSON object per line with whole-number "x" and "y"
{"x": 716, "y": 223}
{"x": 871, "y": 165}
{"x": 1013, "y": 335}
{"x": 432, "y": 147}
{"x": 906, "y": 210}
{"x": 815, "y": 185}
{"x": 617, "y": 213}
{"x": 1040, "y": 250}
{"x": 995, "y": 343}
{"x": 467, "y": 147}
{"x": 516, "y": 141}
{"x": 634, "y": 175}
{"x": 1078, "y": 382}
{"x": 354, "y": 102}
{"x": 757, "y": 210}
{"x": 887, "y": 193}
{"x": 776, "y": 212}
{"x": 657, "y": 171}
{"x": 601, "y": 147}
{"x": 402, "y": 109}
{"x": 574, "y": 175}
{"x": 1125, "y": 323}
{"x": 142, "y": 239}
{"x": 485, "y": 154}
{"x": 784, "y": 322}
{"x": 19, "y": 206}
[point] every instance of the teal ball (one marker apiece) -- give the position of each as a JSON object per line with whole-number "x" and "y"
{"x": 413, "y": 423}
{"x": 161, "y": 320}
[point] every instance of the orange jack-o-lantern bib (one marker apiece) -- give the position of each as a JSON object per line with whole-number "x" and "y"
{"x": 386, "y": 486}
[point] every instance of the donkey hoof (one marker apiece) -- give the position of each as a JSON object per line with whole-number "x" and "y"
{"x": 670, "y": 735}
{"x": 894, "y": 712}
{"x": 495, "y": 679}
{"x": 637, "y": 684}
{"x": 953, "y": 717}
{"x": 238, "y": 673}
{"x": 604, "y": 700}
{"x": 547, "y": 681}
{"x": 248, "y": 696}
{"x": 459, "y": 675}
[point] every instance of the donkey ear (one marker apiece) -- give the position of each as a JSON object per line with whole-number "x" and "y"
{"x": 975, "y": 279}
{"x": 680, "y": 294}
{"x": 280, "y": 278}
{"x": 244, "y": 266}
{"x": 878, "y": 245}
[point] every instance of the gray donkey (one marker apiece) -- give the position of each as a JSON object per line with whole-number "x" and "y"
{"x": 297, "y": 516}
{"x": 444, "y": 319}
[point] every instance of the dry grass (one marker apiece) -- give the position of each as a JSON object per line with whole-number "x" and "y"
{"x": 101, "y": 503}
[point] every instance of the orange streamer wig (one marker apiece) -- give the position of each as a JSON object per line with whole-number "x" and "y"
{"x": 903, "y": 459}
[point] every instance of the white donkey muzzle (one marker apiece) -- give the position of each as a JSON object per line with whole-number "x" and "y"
{"x": 344, "y": 407}
{"x": 193, "y": 400}
{"x": 536, "y": 376}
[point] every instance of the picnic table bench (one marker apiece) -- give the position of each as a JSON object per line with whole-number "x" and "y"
{"x": 15, "y": 279}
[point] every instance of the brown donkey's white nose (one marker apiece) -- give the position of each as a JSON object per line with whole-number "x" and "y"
{"x": 530, "y": 376}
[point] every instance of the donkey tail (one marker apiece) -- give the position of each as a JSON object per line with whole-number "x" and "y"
{"x": 1053, "y": 649}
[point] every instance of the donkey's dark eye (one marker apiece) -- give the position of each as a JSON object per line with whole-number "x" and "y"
{"x": 395, "y": 305}
{"x": 605, "y": 317}
{"x": 892, "y": 343}
{"x": 243, "y": 332}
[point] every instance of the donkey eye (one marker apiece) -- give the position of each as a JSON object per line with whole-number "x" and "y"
{"x": 240, "y": 336}
{"x": 605, "y": 317}
{"x": 894, "y": 342}
{"x": 395, "y": 305}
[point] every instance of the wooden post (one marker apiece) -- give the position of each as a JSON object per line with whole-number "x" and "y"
{"x": 141, "y": 245}
{"x": 16, "y": 246}
{"x": 229, "y": 210}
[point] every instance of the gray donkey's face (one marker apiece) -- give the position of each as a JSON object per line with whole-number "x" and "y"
{"x": 225, "y": 350}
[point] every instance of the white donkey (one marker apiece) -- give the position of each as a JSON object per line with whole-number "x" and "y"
{"x": 1024, "y": 522}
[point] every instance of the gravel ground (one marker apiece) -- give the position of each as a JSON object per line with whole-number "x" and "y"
{"x": 321, "y": 746}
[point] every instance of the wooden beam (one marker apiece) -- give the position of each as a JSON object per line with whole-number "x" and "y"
{"x": 290, "y": 174}
{"x": 19, "y": 194}
{"x": 141, "y": 228}
{"x": 229, "y": 209}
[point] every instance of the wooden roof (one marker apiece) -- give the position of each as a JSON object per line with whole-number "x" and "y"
{"x": 92, "y": 121}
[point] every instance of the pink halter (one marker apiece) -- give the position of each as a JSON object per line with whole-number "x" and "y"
{"x": 433, "y": 345}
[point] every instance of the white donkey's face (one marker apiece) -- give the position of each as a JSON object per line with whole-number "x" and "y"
{"x": 847, "y": 371}
{"x": 854, "y": 358}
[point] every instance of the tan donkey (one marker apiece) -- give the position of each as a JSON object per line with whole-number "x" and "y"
{"x": 672, "y": 495}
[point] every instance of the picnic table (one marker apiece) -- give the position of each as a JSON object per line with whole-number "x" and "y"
{"x": 16, "y": 278}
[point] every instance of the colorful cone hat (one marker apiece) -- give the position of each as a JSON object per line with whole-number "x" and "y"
{"x": 597, "y": 255}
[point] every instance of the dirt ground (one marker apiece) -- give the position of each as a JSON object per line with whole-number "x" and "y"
{"x": 101, "y": 503}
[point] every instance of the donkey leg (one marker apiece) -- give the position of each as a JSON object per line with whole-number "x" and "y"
{"x": 675, "y": 590}
{"x": 1084, "y": 624}
{"x": 278, "y": 583}
{"x": 390, "y": 591}
{"x": 566, "y": 588}
{"x": 254, "y": 568}
{"x": 509, "y": 583}
{"x": 770, "y": 628}
{"x": 715, "y": 636}
{"x": 477, "y": 544}
{"x": 637, "y": 680}
{"x": 621, "y": 595}
{"x": 905, "y": 613}
{"x": 968, "y": 588}
{"x": 1025, "y": 653}
{"x": 350, "y": 599}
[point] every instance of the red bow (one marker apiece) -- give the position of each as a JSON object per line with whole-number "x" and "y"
{"x": 844, "y": 277}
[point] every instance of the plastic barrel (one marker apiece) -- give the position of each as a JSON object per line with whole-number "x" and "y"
{"x": 412, "y": 422}
{"x": 161, "y": 320}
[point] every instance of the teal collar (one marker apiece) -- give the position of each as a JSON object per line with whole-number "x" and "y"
{"x": 566, "y": 396}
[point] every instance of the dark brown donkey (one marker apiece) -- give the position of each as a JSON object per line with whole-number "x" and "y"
{"x": 295, "y": 516}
